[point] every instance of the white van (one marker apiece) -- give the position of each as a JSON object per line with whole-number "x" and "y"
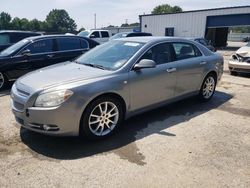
{"x": 100, "y": 36}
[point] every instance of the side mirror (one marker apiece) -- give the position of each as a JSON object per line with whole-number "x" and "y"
{"x": 92, "y": 36}
{"x": 26, "y": 52}
{"x": 145, "y": 64}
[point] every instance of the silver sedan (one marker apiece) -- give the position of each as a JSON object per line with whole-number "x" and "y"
{"x": 92, "y": 95}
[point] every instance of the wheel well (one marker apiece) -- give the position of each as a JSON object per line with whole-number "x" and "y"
{"x": 113, "y": 95}
{"x": 214, "y": 74}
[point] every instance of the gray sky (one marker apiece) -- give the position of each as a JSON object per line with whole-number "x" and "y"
{"x": 113, "y": 12}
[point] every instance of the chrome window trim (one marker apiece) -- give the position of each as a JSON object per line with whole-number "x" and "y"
{"x": 131, "y": 68}
{"x": 31, "y": 41}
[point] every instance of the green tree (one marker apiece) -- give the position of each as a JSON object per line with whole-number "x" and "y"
{"x": 16, "y": 23}
{"x": 35, "y": 25}
{"x": 81, "y": 29}
{"x": 25, "y": 24}
{"x": 5, "y": 20}
{"x": 166, "y": 8}
{"x": 60, "y": 21}
{"x": 125, "y": 25}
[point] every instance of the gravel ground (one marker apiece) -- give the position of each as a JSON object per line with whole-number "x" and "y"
{"x": 186, "y": 144}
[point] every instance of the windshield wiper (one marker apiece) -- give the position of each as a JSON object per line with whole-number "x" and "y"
{"x": 95, "y": 66}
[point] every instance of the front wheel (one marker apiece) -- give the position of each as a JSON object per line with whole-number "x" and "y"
{"x": 208, "y": 88}
{"x": 3, "y": 81}
{"x": 101, "y": 118}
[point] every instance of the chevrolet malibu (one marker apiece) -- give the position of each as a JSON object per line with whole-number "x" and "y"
{"x": 94, "y": 94}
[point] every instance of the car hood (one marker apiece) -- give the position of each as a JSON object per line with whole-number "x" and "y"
{"x": 63, "y": 73}
{"x": 244, "y": 51}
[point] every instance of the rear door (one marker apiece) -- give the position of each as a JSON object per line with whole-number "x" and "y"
{"x": 190, "y": 64}
{"x": 69, "y": 48}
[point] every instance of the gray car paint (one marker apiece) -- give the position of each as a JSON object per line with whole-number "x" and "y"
{"x": 140, "y": 90}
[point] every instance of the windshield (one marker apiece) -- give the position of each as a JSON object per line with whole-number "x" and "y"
{"x": 13, "y": 48}
{"x": 119, "y": 35}
{"x": 111, "y": 55}
{"x": 84, "y": 33}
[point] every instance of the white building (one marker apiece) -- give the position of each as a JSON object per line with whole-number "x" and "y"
{"x": 210, "y": 23}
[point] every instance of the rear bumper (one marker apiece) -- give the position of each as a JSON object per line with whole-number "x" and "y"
{"x": 239, "y": 66}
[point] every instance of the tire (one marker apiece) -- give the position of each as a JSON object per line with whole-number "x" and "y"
{"x": 98, "y": 125}
{"x": 3, "y": 81}
{"x": 208, "y": 88}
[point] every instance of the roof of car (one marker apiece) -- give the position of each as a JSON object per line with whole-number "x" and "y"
{"x": 151, "y": 39}
{"x": 53, "y": 36}
{"x": 17, "y": 31}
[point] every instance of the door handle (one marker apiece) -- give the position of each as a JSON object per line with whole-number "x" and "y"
{"x": 50, "y": 55}
{"x": 170, "y": 70}
{"x": 203, "y": 63}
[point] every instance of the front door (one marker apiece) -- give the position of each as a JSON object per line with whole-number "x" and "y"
{"x": 41, "y": 54}
{"x": 153, "y": 85}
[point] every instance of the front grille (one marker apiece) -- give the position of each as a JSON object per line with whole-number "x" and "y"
{"x": 18, "y": 106}
{"x": 241, "y": 70}
{"x": 19, "y": 120}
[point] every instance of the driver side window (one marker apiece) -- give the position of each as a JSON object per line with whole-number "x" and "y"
{"x": 161, "y": 53}
{"x": 42, "y": 46}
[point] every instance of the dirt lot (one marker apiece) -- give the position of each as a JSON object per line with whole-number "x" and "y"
{"x": 187, "y": 144}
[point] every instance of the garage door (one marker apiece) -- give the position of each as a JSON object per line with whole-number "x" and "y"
{"x": 228, "y": 20}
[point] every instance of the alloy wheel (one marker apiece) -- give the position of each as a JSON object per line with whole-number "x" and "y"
{"x": 208, "y": 87}
{"x": 103, "y": 119}
{"x": 1, "y": 80}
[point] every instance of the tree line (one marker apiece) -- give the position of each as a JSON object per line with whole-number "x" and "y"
{"x": 57, "y": 21}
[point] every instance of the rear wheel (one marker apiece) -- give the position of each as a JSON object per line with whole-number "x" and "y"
{"x": 3, "y": 81}
{"x": 101, "y": 118}
{"x": 208, "y": 88}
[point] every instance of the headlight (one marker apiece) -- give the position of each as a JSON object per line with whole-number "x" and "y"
{"x": 53, "y": 99}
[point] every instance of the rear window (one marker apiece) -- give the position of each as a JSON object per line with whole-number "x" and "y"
{"x": 4, "y": 39}
{"x": 105, "y": 34}
{"x": 65, "y": 44}
{"x": 185, "y": 51}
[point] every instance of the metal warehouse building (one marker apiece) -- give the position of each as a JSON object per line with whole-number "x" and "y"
{"x": 211, "y": 24}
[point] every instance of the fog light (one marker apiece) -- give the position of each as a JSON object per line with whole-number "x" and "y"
{"x": 46, "y": 127}
{"x": 50, "y": 127}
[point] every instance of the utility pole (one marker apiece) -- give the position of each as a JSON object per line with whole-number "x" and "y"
{"x": 126, "y": 21}
{"x": 95, "y": 20}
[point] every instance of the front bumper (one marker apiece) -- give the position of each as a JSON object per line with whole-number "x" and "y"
{"x": 57, "y": 121}
{"x": 237, "y": 66}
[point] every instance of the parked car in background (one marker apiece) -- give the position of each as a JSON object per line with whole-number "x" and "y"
{"x": 129, "y": 34}
{"x": 10, "y": 37}
{"x": 92, "y": 95}
{"x": 240, "y": 61}
{"x": 36, "y": 52}
{"x": 205, "y": 42}
{"x": 246, "y": 39}
{"x": 100, "y": 36}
